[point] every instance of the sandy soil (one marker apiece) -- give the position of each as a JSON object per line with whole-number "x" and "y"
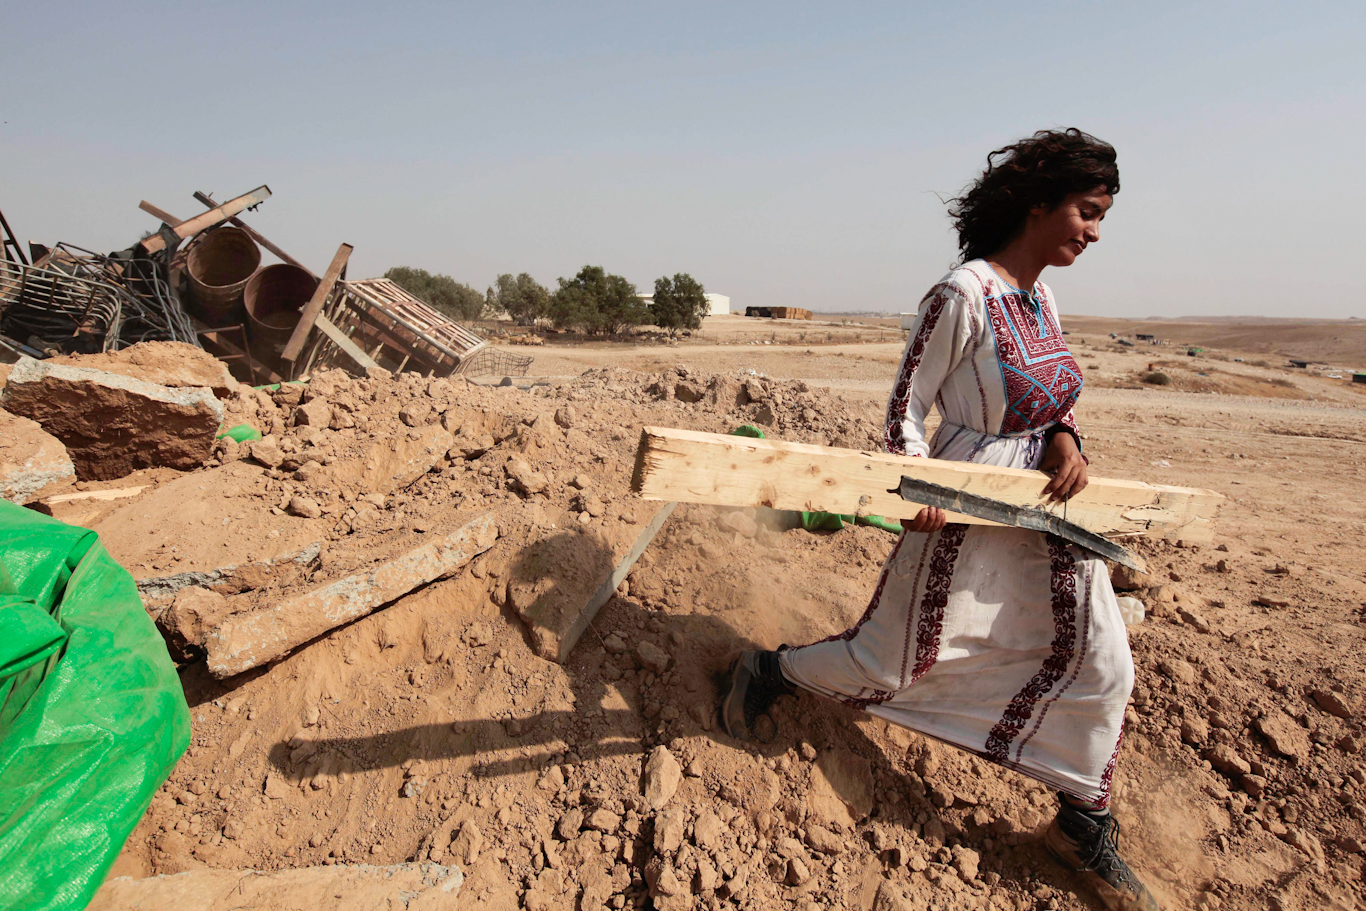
{"x": 430, "y": 730}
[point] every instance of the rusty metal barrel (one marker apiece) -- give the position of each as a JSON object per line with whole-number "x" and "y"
{"x": 219, "y": 267}
{"x": 273, "y": 299}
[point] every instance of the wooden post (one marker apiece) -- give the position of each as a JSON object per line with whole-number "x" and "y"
{"x": 722, "y": 470}
{"x": 207, "y": 200}
{"x": 208, "y": 219}
{"x": 314, "y": 306}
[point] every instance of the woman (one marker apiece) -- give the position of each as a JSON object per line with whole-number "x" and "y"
{"x": 1005, "y": 642}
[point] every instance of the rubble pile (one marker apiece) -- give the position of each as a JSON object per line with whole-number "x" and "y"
{"x": 466, "y": 707}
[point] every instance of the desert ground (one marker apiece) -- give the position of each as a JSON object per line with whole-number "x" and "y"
{"x": 433, "y": 731}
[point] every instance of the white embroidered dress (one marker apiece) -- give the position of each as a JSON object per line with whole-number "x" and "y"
{"x": 1005, "y": 642}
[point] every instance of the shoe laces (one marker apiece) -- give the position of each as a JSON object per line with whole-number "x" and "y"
{"x": 1102, "y": 854}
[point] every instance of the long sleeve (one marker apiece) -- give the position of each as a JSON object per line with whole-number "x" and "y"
{"x": 935, "y": 348}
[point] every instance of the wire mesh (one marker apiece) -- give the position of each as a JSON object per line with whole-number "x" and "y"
{"x": 494, "y": 362}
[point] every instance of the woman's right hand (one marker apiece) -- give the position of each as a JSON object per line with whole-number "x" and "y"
{"x": 929, "y": 519}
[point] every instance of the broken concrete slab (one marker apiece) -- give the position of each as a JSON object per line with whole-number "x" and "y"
{"x": 111, "y": 424}
{"x": 173, "y": 364}
{"x": 394, "y": 464}
{"x": 33, "y": 462}
{"x": 250, "y": 639}
{"x": 559, "y": 584}
{"x": 412, "y": 886}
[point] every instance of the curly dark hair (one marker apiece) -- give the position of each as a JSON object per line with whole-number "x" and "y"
{"x": 1038, "y": 171}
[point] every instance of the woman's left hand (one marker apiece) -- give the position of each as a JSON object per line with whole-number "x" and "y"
{"x": 1064, "y": 462}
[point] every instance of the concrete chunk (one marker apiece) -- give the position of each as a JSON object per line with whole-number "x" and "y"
{"x": 250, "y": 639}
{"x": 111, "y": 424}
{"x": 173, "y": 364}
{"x": 32, "y": 461}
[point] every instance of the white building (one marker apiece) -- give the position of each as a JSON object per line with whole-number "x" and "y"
{"x": 717, "y": 304}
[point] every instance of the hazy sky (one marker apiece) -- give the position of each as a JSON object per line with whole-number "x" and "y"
{"x": 783, "y": 154}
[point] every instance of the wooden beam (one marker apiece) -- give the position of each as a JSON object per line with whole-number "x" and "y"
{"x": 314, "y": 307}
{"x": 208, "y": 219}
{"x": 722, "y": 470}
{"x": 348, "y": 347}
{"x": 166, "y": 217}
{"x": 207, "y": 200}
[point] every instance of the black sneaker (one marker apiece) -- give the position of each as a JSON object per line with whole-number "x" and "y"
{"x": 754, "y": 681}
{"x": 1090, "y": 844}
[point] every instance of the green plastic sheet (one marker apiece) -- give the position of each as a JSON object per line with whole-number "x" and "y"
{"x": 90, "y": 725}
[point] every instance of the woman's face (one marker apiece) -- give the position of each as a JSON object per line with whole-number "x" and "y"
{"x": 1060, "y": 235}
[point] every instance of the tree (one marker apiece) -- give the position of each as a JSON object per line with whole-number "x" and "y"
{"x": 455, "y": 299}
{"x": 597, "y": 303}
{"x": 679, "y": 303}
{"x": 522, "y": 298}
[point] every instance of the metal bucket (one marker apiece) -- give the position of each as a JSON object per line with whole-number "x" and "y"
{"x": 219, "y": 267}
{"x": 273, "y": 299}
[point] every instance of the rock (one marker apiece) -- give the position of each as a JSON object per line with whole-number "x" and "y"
{"x": 890, "y": 898}
{"x": 603, "y": 820}
{"x": 266, "y": 451}
{"x": 752, "y": 391}
{"x": 565, "y": 416}
{"x": 821, "y": 839}
{"x": 33, "y": 463}
{"x": 689, "y": 392}
{"x": 1194, "y": 730}
{"x": 1307, "y": 843}
{"x": 1254, "y": 785}
{"x": 304, "y": 507}
{"x": 194, "y": 612}
{"x": 966, "y": 861}
{"x": 669, "y": 826}
{"x": 662, "y": 879}
{"x": 662, "y": 777}
{"x": 707, "y": 876}
{"x": 570, "y": 823}
{"x": 1177, "y": 671}
{"x": 467, "y": 842}
{"x": 415, "y": 413}
{"x": 394, "y": 464}
{"x": 614, "y": 644}
{"x": 1193, "y": 619}
{"x": 1125, "y": 579}
{"x": 1332, "y": 703}
{"x": 591, "y": 503}
{"x": 524, "y": 478}
{"x": 314, "y": 413}
{"x": 652, "y": 657}
{"x": 1283, "y": 733}
{"x": 1224, "y": 758}
{"x": 173, "y": 364}
{"x": 765, "y": 415}
{"x": 738, "y": 521}
{"x": 1221, "y": 566}
{"x": 841, "y": 789}
{"x": 1351, "y": 844}
{"x": 707, "y": 830}
{"x": 110, "y": 424}
{"x": 581, "y": 482}
{"x": 797, "y": 872}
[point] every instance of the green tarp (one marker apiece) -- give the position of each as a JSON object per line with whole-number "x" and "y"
{"x": 92, "y": 715}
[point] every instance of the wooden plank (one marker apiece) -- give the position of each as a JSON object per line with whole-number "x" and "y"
{"x": 350, "y": 348}
{"x": 115, "y": 494}
{"x": 208, "y": 219}
{"x": 309, "y": 316}
{"x": 166, "y": 217}
{"x": 694, "y": 467}
{"x": 207, "y": 200}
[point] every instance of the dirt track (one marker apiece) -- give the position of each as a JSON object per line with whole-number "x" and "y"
{"x": 1253, "y": 650}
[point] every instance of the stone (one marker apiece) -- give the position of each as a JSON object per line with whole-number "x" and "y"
{"x": 395, "y": 464}
{"x": 824, "y": 841}
{"x": 689, "y": 392}
{"x": 194, "y": 612}
{"x": 708, "y": 878}
{"x": 266, "y": 451}
{"x": 1193, "y": 619}
{"x": 524, "y": 478}
{"x": 841, "y": 789}
{"x": 708, "y": 830}
{"x": 738, "y": 521}
{"x": 250, "y": 639}
{"x": 1332, "y": 703}
{"x": 1254, "y": 785}
{"x": 173, "y": 364}
{"x": 1283, "y": 733}
{"x": 966, "y": 861}
{"x": 314, "y": 413}
{"x": 1224, "y": 758}
{"x": 33, "y": 463}
{"x": 1126, "y": 579}
{"x": 565, "y": 416}
{"x": 467, "y": 842}
{"x": 570, "y": 823}
{"x": 1194, "y": 730}
{"x": 113, "y": 425}
{"x": 652, "y": 657}
{"x": 798, "y": 871}
{"x": 662, "y": 777}
{"x": 662, "y": 879}
{"x": 415, "y": 413}
{"x": 603, "y": 820}
{"x": 889, "y": 897}
{"x": 1177, "y": 671}
{"x": 304, "y": 507}
{"x": 669, "y": 826}
{"x": 592, "y": 504}
{"x": 614, "y": 644}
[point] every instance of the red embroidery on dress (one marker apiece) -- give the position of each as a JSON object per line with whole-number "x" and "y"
{"x": 894, "y": 435}
{"x": 1109, "y": 772}
{"x": 930, "y": 625}
{"x": 1063, "y": 582}
{"x": 1085, "y": 625}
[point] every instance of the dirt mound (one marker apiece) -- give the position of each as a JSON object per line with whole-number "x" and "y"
{"x": 432, "y": 730}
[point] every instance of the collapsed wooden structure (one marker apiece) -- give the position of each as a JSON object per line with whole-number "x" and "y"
{"x": 693, "y": 467}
